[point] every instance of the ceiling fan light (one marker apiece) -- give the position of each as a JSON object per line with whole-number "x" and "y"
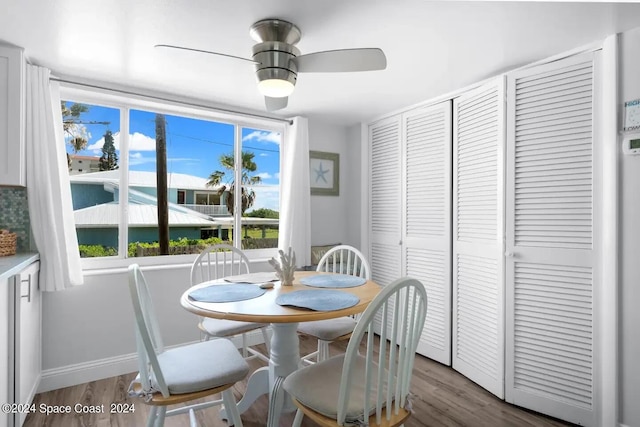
{"x": 275, "y": 88}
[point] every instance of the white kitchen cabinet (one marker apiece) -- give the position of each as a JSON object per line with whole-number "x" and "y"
{"x": 12, "y": 146}
{"x": 25, "y": 326}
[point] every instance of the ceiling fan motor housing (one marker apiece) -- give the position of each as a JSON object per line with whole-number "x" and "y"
{"x": 275, "y": 50}
{"x": 274, "y": 61}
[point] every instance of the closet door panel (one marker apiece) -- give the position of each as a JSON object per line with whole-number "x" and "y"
{"x": 427, "y": 219}
{"x": 385, "y": 184}
{"x": 478, "y": 212}
{"x": 385, "y": 198}
{"x": 550, "y": 239}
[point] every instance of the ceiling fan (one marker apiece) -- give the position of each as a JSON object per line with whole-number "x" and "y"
{"x": 277, "y": 61}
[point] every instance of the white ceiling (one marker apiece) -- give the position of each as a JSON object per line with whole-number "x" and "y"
{"x": 432, "y": 47}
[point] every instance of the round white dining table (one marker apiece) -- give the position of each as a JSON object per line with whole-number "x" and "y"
{"x": 284, "y": 353}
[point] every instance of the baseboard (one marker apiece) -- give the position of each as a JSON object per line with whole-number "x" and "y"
{"x": 622, "y": 425}
{"x": 80, "y": 373}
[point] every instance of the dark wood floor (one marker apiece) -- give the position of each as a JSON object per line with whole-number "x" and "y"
{"x": 443, "y": 398}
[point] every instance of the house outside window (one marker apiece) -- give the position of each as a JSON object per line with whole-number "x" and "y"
{"x": 116, "y": 206}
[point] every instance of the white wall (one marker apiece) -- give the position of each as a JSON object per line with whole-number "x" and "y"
{"x": 629, "y": 240}
{"x": 87, "y": 331}
{"x": 336, "y": 219}
{"x": 95, "y": 321}
{"x": 353, "y": 175}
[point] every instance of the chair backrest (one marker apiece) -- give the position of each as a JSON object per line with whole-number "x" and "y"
{"x": 148, "y": 339}
{"x": 218, "y": 261}
{"x": 387, "y": 373}
{"x": 345, "y": 259}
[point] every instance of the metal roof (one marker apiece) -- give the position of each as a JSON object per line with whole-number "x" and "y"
{"x": 140, "y": 215}
{"x": 144, "y": 179}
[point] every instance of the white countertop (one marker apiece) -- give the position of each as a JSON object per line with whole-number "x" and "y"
{"x": 10, "y": 265}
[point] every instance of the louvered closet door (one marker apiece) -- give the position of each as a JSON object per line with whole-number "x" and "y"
{"x": 550, "y": 239}
{"x": 427, "y": 220}
{"x": 385, "y": 200}
{"x": 478, "y": 201}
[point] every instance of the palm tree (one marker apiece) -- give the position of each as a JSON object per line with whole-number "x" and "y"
{"x": 248, "y": 166}
{"x": 76, "y": 132}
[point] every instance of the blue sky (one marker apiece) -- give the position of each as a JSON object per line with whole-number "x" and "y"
{"x": 194, "y": 146}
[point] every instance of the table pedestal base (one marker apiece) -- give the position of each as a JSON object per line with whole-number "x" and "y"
{"x": 283, "y": 360}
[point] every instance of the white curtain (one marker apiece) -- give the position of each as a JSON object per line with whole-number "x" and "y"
{"x": 295, "y": 199}
{"x": 48, "y": 190}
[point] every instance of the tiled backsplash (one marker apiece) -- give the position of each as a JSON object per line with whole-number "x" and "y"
{"x": 14, "y": 215}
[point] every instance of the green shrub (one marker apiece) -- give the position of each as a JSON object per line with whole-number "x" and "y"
{"x": 89, "y": 251}
{"x": 191, "y": 245}
{"x": 183, "y": 246}
{"x": 263, "y": 213}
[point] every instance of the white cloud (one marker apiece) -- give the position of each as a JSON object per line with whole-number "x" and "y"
{"x": 263, "y": 136}
{"x": 267, "y": 196}
{"x": 141, "y": 142}
{"x": 265, "y": 175}
{"x": 263, "y": 155}
{"x": 97, "y": 146}
{"x": 137, "y": 142}
{"x": 139, "y": 159}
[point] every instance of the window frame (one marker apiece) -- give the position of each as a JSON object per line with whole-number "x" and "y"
{"x": 112, "y": 99}
{"x": 197, "y": 193}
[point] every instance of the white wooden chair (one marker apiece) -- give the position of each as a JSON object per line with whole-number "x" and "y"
{"x": 215, "y": 262}
{"x": 182, "y": 374}
{"x": 342, "y": 259}
{"x": 372, "y": 388}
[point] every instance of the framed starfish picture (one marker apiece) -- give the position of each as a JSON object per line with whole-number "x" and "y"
{"x": 324, "y": 173}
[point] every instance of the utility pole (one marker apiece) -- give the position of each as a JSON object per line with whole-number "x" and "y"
{"x": 161, "y": 184}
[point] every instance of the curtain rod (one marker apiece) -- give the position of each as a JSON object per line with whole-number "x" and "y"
{"x": 159, "y": 98}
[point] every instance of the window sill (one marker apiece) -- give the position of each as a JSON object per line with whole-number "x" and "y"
{"x": 113, "y": 265}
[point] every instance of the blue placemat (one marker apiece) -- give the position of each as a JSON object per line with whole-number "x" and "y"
{"x": 333, "y": 281}
{"x": 318, "y": 300}
{"x": 226, "y": 293}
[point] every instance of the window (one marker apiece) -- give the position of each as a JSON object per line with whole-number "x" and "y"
{"x": 140, "y": 150}
{"x": 208, "y": 199}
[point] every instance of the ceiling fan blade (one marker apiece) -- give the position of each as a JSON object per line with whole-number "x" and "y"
{"x": 274, "y": 104}
{"x": 206, "y": 51}
{"x": 331, "y": 61}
